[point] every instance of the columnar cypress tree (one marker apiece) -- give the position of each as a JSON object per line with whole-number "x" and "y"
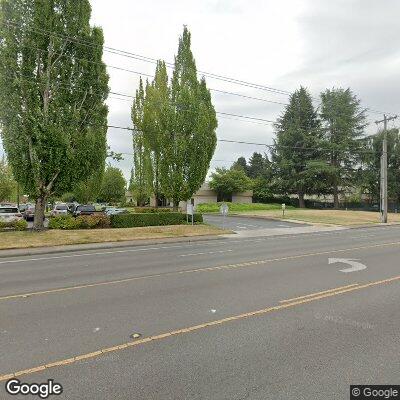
{"x": 298, "y": 137}
{"x": 343, "y": 121}
{"x": 53, "y": 87}
{"x": 190, "y": 140}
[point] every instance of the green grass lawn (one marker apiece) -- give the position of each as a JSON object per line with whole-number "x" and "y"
{"x": 239, "y": 207}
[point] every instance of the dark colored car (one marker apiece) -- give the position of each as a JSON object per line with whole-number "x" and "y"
{"x": 29, "y": 213}
{"x": 84, "y": 210}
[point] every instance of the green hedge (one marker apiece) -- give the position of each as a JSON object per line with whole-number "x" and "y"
{"x": 95, "y": 221}
{"x": 152, "y": 209}
{"x": 18, "y": 225}
{"x": 151, "y": 219}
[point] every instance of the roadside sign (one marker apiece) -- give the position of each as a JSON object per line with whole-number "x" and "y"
{"x": 189, "y": 209}
{"x": 224, "y": 209}
{"x": 283, "y": 209}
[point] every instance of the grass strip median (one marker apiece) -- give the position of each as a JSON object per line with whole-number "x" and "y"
{"x": 55, "y": 237}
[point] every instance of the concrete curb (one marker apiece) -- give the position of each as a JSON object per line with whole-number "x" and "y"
{"x": 105, "y": 245}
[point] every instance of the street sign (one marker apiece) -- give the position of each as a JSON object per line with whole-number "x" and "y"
{"x": 189, "y": 209}
{"x": 224, "y": 209}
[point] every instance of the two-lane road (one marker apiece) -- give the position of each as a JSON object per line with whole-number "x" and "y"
{"x": 236, "y": 318}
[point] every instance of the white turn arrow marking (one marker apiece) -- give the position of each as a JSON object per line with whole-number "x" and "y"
{"x": 354, "y": 264}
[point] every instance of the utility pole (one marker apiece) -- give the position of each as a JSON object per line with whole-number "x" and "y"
{"x": 384, "y": 170}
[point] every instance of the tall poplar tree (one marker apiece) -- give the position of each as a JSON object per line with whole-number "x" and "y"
{"x": 190, "y": 140}
{"x": 140, "y": 184}
{"x": 53, "y": 87}
{"x": 344, "y": 121}
{"x": 298, "y": 137}
{"x": 156, "y": 121}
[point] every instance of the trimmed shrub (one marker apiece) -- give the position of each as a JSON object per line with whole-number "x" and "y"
{"x": 152, "y": 209}
{"x": 151, "y": 219}
{"x": 18, "y": 225}
{"x": 95, "y": 221}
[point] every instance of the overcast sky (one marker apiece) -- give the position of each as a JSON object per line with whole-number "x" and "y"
{"x": 281, "y": 44}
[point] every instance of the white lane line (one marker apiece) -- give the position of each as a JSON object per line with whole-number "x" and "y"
{"x": 267, "y": 238}
{"x": 206, "y": 252}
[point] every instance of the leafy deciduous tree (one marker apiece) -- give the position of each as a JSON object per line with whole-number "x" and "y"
{"x": 190, "y": 140}
{"x": 53, "y": 87}
{"x": 228, "y": 181}
{"x": 113, "y": 185}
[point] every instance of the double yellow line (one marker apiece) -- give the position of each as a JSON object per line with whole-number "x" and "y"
{"x": 283, "y": 305}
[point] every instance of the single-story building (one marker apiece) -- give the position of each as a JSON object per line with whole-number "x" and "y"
{"x": 204, "y": 195}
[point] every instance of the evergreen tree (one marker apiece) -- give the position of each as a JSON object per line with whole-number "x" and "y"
{"x": 190, "y": 140}
{"x": 257, "y": 165}
{"x": 53, "y": 87}
{"x": 297, "y": 140}
{"x": 343, "y": 125}
{"x": 369, "y": 181}
{"x": 241, "y": 163}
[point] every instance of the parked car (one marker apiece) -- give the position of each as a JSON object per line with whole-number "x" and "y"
{"x": 59, "y": 209}
{"x": 29, "y": 212}
{"x": 9, "y": 213}
{"x": 23, "y": 207}
{"x": 85, "y": 209}
{"x": 115, "y": 211}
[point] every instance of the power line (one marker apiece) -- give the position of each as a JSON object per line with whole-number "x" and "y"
{"x": 270, "y": 146}
{"x": 130, "y": 96}
{"x": 139, "y": 57}
{"x": 152, "y": 76}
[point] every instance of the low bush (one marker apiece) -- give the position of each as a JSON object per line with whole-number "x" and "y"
{"x": 18, "y": 225}
{"x": 95, "y": 221}
{"x": 152, "y": 209}
{"x": 151, "y": 219}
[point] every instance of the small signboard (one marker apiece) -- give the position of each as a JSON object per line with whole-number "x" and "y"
{"x": 189, "y": 209}
{"x": 224, "y": 209}
{"x": 283, "y": 209}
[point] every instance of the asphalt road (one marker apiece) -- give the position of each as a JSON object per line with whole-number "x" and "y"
{"x": 236, "y": 223}
{"x": 259, "y": 318}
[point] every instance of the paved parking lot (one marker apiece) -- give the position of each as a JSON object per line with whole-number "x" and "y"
{"x": 237, "y": 223}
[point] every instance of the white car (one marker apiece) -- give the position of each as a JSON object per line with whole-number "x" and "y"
{"x": 60, "y": 209}
{"x": 115, "y": 211}
{"x": 9, "y": 213}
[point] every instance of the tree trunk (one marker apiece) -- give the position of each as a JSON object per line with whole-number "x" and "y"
{"x": 302, "y": 203}
{"x": 176, "y": 205}
{"x": 335, "y": 197}
{"x": 40, "y": 208}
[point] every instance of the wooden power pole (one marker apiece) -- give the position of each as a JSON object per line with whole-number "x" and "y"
{"x": 384, "y": 170}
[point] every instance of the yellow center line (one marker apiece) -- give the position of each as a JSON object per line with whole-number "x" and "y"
{"x": 318, "y": 293}
{"x": 189, "y": 271}
{"x": 192, "y": 329}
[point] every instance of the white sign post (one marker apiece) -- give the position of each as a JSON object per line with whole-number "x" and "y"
{"x": 283, "y": 209}
{"x": 189, "y": 211}
{"x": 224, "y": 209}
